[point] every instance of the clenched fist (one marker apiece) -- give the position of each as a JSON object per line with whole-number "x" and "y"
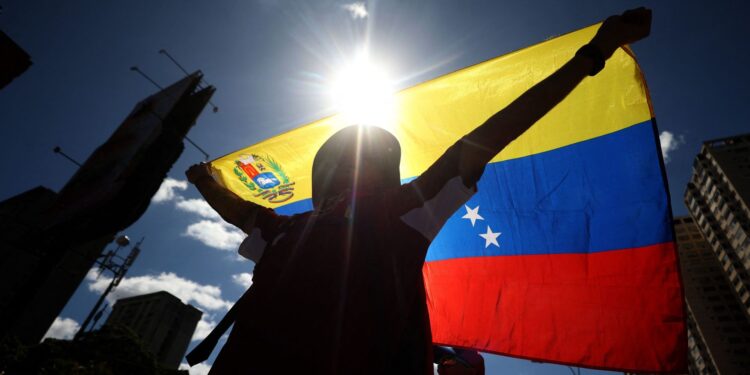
{"x": 197, "y": 172}
{"x": 629, "y": 27}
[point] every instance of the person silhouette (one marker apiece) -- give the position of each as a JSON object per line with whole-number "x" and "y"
{"x": 339, "y": 289}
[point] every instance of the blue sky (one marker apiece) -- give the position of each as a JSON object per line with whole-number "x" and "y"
{"x": 270, "y": 60}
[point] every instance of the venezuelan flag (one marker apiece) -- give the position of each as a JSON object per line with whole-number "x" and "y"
{"x": 566, "y": 253}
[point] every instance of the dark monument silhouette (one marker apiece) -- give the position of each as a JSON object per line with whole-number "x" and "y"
{"x": 49, "y": 240}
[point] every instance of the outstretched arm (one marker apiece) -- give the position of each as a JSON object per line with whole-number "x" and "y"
{"x": 428, "y": 201}
{"x": 486, "y": 141}
{"x": 233, "y": 209}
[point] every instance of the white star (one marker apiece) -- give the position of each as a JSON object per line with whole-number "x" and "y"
{"x": 490, "y": 238}
{"x": 472, "y": 214}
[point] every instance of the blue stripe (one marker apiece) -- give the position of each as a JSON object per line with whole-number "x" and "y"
{"x": 295, "y": 207}
{"x": 602, "y": 194}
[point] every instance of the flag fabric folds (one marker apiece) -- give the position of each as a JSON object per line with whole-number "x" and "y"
{"x": 566, "y": 253}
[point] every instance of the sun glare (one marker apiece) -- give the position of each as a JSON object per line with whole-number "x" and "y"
{"x": 364, "y": 95}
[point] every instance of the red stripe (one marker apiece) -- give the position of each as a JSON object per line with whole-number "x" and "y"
{"x": 619, "y": 310}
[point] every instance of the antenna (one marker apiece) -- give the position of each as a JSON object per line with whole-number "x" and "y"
{"x": 99, "y": 315}
{"x": 119, "y": 267}
{"x": 139, "y": 71}
{"x": 59, "y": 150}
{"x": 198, "y": 147}
{"x": 165, "y": 53}
{"x": 135, "y": 69}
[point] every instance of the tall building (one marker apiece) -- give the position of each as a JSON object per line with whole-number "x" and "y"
{"x": 49, "y": 240}
{"x": 718, "y": 330}
{"x": 14, "y": 60}
{"x": 163, "y": 322}
{"x": 716, "y": 266}
{"x": 717, "y": 197}
{"x": 37, "y": 275}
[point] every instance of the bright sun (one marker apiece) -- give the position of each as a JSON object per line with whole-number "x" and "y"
{"x": 364, "y": 95}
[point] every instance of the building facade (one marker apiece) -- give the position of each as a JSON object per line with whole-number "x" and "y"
{"x": 718, "y": 330}
{"x": 717, "y": 197}
{"x": 49, "y": 240}
{"x": 714, "y": 245}
{"x": 37, "y": 274}
{"x": 163, "y": 322}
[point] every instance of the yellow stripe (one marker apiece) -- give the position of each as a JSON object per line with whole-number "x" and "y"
{"x": 433, "y": 115}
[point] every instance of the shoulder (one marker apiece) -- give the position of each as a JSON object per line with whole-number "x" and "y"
{"x": 427, "y": 215}
{"x": 259, "y": 240}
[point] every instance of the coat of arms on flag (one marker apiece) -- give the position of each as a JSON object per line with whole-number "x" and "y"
{"x": 264, "y": 177}
{"x": 548, "y": 272}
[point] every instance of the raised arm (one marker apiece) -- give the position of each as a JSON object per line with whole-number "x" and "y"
{"x": 233, "y": 209}
{"x": 486, "y": 141}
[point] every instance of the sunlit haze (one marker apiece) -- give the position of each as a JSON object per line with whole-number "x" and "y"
{"x": 364, "y": 94}
{"x": 280, "y": 64}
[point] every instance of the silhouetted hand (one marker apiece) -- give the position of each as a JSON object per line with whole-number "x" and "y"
{"x": 464, "y": 362}
{"x": 197, "y": 172}
{"x": 451, "y": 367}
{"x": 629, "y": 27}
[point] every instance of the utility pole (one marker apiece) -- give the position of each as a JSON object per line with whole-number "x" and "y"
{"x": 119, "y": 267}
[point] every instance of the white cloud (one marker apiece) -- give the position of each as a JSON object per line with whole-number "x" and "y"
{"x": 167, "y": 189}
{"x": 197, "y": 206}
{"x": 212, "y": 231}
{"x": 205, "y": 326}
{"x": 356, "y": 10}
{"x": 243, "y": 279}
{"x": 199, "y": 369}
{"x": 669, "y": 142}
{"x": 62, "y": 328}
{"x": 206, "y": 297}
{"x": 216, "y": 234}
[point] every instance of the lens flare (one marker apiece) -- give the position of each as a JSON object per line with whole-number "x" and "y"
{"x": 364, "y": 95}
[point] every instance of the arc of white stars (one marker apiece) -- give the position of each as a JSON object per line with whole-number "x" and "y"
{"x": 472, "y": 214}
{"x": 490, "y": 238}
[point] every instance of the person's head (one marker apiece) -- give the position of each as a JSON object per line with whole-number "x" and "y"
{"x": 363, "y": 159}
